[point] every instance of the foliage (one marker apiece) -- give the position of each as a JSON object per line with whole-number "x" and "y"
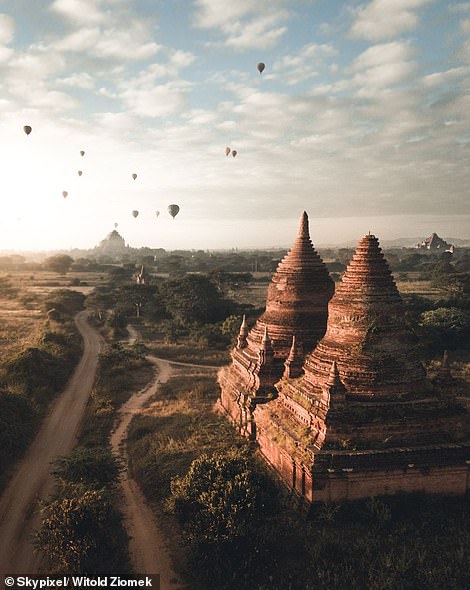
{"x": 231, "y": 326}
{"x": 226, "y": 281}
{"x": 95, "y": 467}
{"x": 65, "y": 301}
{"x": 122, "y": 370}
{"x": 33, "y": 372}
{"x": 140, "y": 300}
{"x": 82, "y": 533}
{"x": 447, "y": 327}
{"x": 60, "y": 263}
{"x": 220, "y": 498}
{"x": 18, "y": 419}
{"x": 193, "y": 298}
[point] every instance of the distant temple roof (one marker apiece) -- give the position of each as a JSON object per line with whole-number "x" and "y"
{"x": 113, "y": 244}
{"x": 434, "y": 242}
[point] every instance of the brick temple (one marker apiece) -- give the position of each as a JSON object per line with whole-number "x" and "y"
{"x": 296, "y": 305}
{"x": 333, "y": 390}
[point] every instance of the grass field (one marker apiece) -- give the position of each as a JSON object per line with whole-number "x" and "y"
{"x": 22, "y": 314}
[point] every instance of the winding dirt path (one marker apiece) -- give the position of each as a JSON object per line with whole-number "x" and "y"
{"x": 147, "y": 547}
{"x": 33, "y": 481}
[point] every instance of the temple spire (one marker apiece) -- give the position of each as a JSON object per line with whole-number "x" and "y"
{"x": 334, "y": 385}
{"x": 266, "y": 353}
{"x": 303, "y": 227}
{"x": 242, "y": 334}
{"x": 293, "y": 364}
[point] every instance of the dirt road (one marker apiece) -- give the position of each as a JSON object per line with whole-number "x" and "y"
{"x": 149, "y": 553}
{"x": 147, "y": 547}
{"x": 32, "y": 481}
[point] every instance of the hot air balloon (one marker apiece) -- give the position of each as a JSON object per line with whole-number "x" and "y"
{"x": 227, "y": 151}
{"x": 173, "y": 210}
{"x": 234, "y": 153}
{"x": 115, "y": 225}
{"x": 134, "y": 176}
{"x": 27, "y": 129}
{"x": 80, "y": 173}
{"x": 64, "y": 194}
{"x": 260, "y": 67}
{"x": 157, "y": 213}
{"x": 82, "y": 153}
{"x": 135, "y": 213}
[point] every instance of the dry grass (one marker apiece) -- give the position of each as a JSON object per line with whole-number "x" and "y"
{"x": 422, "y": 288}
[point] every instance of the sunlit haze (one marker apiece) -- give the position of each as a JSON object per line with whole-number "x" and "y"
{"x": 361, "y": 117}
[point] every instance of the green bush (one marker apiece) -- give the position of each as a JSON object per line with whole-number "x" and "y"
{"x": 96, "y": 467}
{"x": 18, "y": 420}
{"x": 221, "y": 498}
{"x": 82, "y": 533}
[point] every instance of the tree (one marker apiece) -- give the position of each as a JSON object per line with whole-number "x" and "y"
{"x": 60, "y": 263}
{"x": 193, "y": 298}
{"x": 227, "y": 281}
{"x": 18, "y": 419}
{"x": 96, "y": 467}
{"x": 65, "y": 301}
{"x": 82, "y": 533}
{"x": 136, "y": 300}
{"x": 221, "y": 498}
{"x": 447, "y": 327}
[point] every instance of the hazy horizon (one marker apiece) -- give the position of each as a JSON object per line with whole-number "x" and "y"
{"x": 361, "y": 117}
{"x": 324, "y": 233}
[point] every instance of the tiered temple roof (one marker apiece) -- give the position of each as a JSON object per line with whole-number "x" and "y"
{"x": 297, "y": 297}
{"x": 362, "y": 385}
{"x": 367, "y": 336}
{"x": 296, "y": 305}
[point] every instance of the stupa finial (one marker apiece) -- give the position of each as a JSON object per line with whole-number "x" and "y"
{"x": 242, "y": 334}
{"x": 303, "y": 227}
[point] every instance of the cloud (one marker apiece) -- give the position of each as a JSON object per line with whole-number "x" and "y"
{"x": 7, "y": 32}
{"x": 382, "y": 66}
{"x": 154, "y": 100}
{"x": 384, "y": 19}
{"x": 465, "y": 25}
{"x": 303, "y": 65}
{"x": 128, "y": 43}
{"x": 77, "y": 80}
{"x": 80, "y": 11}
{"x": 446, "y": 77}
{"x": 245, "y": 24}
{"x": 7, "y": 29}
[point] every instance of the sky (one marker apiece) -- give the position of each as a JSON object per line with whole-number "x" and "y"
{"x": 361, "y": 117}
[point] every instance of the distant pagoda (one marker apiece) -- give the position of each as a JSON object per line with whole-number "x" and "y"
{"x": 435, "y": 243}
{"x": 296, "y": 303}
{"x": 112, "y": 245}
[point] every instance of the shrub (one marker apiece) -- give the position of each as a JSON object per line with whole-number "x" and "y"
{"x": 82, "y": 533}
{"x": 96, "y": 467}
{"x": 221, "y": 498}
